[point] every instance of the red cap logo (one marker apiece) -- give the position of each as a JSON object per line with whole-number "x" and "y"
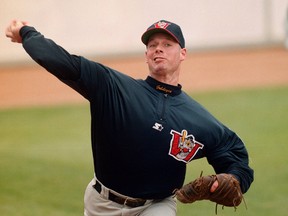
{"x": 161, "y": 24}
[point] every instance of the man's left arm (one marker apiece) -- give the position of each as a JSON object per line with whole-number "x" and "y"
{"x": 231, "y": 157}
{"x": 233, "y": 177}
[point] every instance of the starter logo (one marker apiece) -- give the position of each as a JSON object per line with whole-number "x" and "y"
{"x": 183, "y": 147}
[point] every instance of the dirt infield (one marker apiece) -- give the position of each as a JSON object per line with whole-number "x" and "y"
{"x": 202, "y": 71}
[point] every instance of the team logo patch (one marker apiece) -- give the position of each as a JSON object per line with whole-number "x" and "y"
{"x": 162, "y": 24}
{"x": 183, "y": 147}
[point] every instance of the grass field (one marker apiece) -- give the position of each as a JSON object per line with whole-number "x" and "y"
{"x": 46, "y": 160}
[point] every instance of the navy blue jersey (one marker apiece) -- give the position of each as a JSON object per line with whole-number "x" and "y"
{"x": 143, "y": 132}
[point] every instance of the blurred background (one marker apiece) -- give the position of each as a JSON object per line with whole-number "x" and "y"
{"x": 237, "y": 67}
{"x": 115, "y": 27}
{"x": 110, "y": 31}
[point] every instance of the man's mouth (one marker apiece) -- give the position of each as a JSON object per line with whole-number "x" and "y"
{"x": 158, "y": 58}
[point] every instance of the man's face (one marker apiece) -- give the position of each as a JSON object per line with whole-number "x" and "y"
{"x": 164, "y": 54}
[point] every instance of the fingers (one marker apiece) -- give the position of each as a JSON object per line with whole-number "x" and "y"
{"x": 13, "y": 30}
{"x": 25, "y": 23}
{"x": 214, "y": 186}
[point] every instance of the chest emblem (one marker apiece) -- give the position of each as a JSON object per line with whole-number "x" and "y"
{"x": 183, "y": 147}
{"x": 158, "y": 126}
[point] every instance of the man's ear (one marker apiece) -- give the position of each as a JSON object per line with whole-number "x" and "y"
{"x": 146, "y": 60}
{"x": 183, "y": 53}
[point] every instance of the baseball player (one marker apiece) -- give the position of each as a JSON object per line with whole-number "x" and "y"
{"x": 157, "y": 129}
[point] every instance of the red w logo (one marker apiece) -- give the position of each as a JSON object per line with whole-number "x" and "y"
{"x": 162, "y": 24}
{"x": 183, "y": 147}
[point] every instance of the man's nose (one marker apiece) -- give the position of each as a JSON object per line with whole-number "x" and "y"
{"x": 159, "y": 49}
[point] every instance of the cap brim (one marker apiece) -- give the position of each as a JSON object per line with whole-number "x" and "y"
{"x": 145, "y": 37}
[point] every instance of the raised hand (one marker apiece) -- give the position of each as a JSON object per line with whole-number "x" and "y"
{"x": 13, "y": 30}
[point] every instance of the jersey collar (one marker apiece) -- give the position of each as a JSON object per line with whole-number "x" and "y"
{"x": 163, "y": 87}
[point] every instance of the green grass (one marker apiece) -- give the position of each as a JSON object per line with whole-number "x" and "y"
{"x": 46, "y": 159}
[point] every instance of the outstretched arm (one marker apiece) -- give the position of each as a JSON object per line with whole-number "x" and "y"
{"x": 44, "y": 51}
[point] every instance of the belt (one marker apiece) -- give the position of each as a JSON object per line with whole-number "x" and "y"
{"x": 122, "y": 200}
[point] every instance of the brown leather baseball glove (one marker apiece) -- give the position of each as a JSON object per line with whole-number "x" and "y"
{"x": 228, "y": 192}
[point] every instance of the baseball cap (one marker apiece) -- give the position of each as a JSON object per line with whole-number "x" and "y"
{"x": 167, "y": 27}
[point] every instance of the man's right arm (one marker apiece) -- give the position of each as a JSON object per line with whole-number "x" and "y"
{"x": 44, "y": 51}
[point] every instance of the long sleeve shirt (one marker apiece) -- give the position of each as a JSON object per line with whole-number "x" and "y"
{"x": 143, "y": 132}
